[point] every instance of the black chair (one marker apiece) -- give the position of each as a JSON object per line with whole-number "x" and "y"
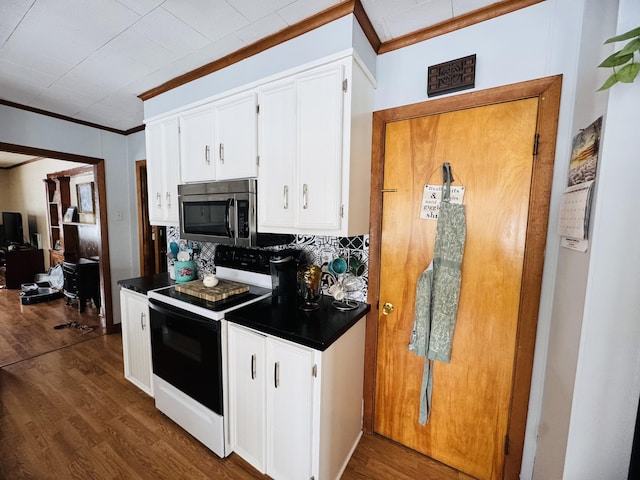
{"x": 82, "y": 282}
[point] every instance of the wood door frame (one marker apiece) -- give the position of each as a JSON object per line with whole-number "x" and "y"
{"x": 99, "y": 176}
{"x": 548, "y": 92}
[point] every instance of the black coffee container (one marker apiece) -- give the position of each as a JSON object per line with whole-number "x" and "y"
{"x": 284, "y": 280}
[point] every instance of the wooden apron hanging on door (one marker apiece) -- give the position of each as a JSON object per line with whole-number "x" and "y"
{"x": 491, "y": 149}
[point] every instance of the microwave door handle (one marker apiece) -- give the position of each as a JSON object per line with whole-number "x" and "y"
{"x": 228, "y": 218}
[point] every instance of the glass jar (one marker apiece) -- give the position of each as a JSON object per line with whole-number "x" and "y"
{"x": 309, "y": 277}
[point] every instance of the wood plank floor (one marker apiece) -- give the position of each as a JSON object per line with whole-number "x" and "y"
{"x": 27, "y": 330}
{"x": 71, "y": 414}
{"x": 66, "y": 412}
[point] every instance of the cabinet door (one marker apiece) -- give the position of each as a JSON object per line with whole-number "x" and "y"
{"x": 136, "y": 340}
{"x": 236, "y": 137}
{"x": 319, "y": 149}
{"x": 247, "y": 382}
{"x": 163, "y": 170}
{"x": 171, "y": 169}
{"x": 155, "y": 171}
{"x": 277, "y": 147}
{"x": 289, "y": 407}
{"x": 196, "y": 146}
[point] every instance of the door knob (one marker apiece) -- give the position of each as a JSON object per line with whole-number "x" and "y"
{"x": 387, "y": 308}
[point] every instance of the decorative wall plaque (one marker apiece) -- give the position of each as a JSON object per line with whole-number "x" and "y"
{"x": 451, "y": 76}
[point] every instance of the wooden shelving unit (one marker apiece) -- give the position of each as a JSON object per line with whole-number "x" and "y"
{"x": 58, "y": 199}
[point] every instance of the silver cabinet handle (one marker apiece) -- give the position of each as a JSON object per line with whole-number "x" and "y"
{"x": 253, "y": 366}
{"x": 206, "y": 155}
{"x": 285, "y": 199}
{"x": 159, "y": 199}
{"x": 142, "y": 320}
{"x": 276, "y": 374}
{"x": 168, "y": 200}
{"x": 305, "y": 194}
{"x": 221, "y": 152}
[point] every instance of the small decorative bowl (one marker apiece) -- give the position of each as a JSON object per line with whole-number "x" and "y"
{"x": 185, "y": 271}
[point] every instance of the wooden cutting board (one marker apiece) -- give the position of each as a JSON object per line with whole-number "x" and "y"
{"x": 224, "y": 289}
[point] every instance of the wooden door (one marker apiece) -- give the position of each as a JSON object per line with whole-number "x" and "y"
{"x": 491, "y": 151}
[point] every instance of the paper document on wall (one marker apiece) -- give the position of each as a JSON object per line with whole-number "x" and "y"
{"x": 575, "y": 209}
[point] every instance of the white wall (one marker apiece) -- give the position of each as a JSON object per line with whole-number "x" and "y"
{"x": 607, "y": 383}
{"x": 30, "y": 129}
{"x": 324, "y": 41}
{"x": 135, "y": 151}
{"x": 549, "y": 38}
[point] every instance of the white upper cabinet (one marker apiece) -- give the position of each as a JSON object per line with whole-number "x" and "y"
{"x": 315, "y": 152}
{"x": 277, "y": 146}
{"x": 196, "y": 145}
{"x": 306, "y": 135}
{"x": 218, "y": 141}
{"x": 320, "y": 99}
{"x": 235, "y": 137}
{"x": 163, "y": 170}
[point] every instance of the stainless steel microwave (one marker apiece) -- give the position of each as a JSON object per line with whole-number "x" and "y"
{"x": 219, "y": 212}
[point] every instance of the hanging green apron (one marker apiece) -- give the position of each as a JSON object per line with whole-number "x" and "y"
{"x": 437, "y": 295}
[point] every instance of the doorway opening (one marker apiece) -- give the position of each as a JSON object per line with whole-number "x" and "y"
{"x": 97, "y": 165}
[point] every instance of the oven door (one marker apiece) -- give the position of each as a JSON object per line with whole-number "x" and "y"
{"x": 186, "y": 352}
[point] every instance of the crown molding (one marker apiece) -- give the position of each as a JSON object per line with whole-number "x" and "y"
{"x": 457, "y": 23}
{"x": 70, "y": 119}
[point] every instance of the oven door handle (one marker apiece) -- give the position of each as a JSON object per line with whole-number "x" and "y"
{"x": 179, "y": 314}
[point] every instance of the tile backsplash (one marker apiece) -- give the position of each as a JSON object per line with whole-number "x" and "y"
{"x": 319, "y": 250}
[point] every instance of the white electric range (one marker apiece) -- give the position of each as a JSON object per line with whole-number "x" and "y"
{"x": 189, "y": 346}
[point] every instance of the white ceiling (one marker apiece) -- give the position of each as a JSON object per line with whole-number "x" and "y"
{"x": 90, "y": 59}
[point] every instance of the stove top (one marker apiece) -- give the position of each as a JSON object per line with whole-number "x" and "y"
{"x": 206, "y": 308}
{"x": 243, "y": 265}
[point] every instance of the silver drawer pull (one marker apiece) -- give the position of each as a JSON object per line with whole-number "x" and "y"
{"x": 221, "y": 152}
{"x": 285, "y": 199}
{"x": 305, "y": 192}
{"x": 206, "y": 155}
{"x": 276, "y": 374}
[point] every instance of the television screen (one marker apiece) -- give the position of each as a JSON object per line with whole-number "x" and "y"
{"x": 12, "y": 222}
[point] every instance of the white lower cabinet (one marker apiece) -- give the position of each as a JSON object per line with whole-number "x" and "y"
{"x": 136, "y": 339}
{"x": 295, "y": 412}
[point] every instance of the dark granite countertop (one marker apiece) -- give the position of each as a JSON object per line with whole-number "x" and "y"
{"x": 144, "y": 284}
{"x": 318, "y": 329}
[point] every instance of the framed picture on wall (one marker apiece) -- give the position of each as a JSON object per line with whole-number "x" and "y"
{"x": 85, "y": 197}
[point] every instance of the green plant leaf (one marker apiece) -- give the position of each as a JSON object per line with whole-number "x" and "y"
{"x": 612, "y": 80}
{"x": 625, "y": 36}
{"x": 630, "y": 47}
{"x": 616, "y": 59}
{"x": 628, "y": 73}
